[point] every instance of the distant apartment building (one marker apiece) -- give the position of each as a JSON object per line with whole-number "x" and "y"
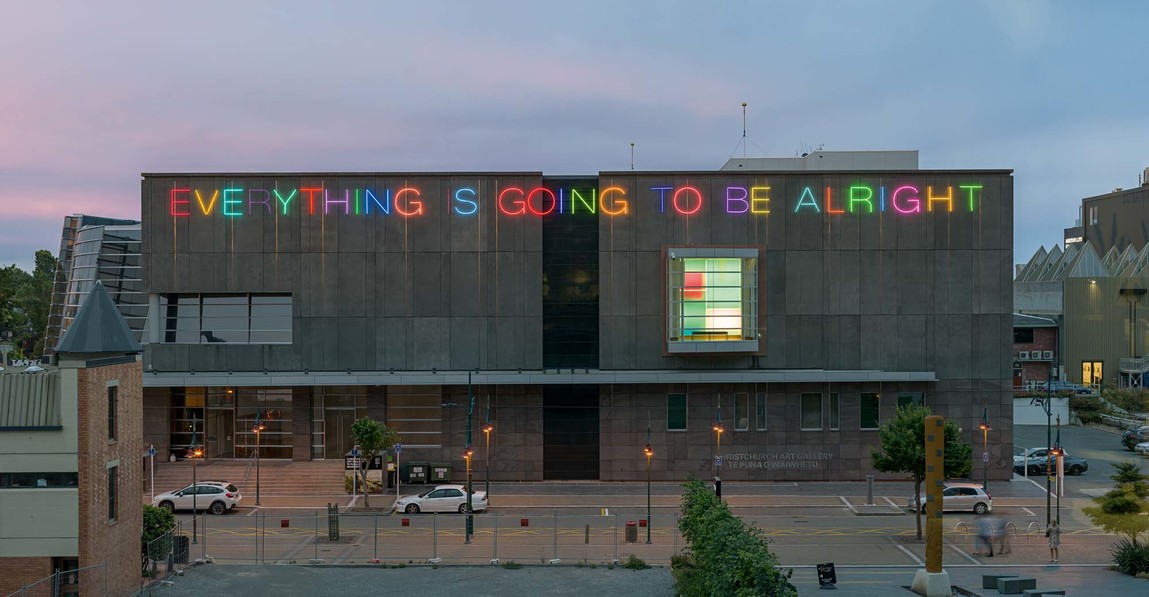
{"x": 70, "y": 461}
{"x": 94, "y": 248}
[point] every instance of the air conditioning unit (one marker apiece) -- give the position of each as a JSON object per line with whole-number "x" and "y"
{"x": 1023, "y": 355}
{"x": 1047, "y": 355}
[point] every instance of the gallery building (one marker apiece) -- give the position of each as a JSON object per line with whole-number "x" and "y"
{"x": 793, "y": 304}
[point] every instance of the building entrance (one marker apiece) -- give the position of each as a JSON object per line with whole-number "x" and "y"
{"x": 570, "y": 432}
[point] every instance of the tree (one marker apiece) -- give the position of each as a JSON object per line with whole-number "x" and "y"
{"x": 372, "y": 438}
{"x": 903, "y": 450}
{"x": 35, "y": 300}
{"x": 12, "y": 318}
{"x": 1124, "y": 509}
{"x": 158, "y": 522}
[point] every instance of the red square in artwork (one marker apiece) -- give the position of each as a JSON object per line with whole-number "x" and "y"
{"x": 694, "y": 286}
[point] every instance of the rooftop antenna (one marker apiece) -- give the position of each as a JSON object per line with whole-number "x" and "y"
{"x": 632, "y": 155}
{"x": 744, "y": 129}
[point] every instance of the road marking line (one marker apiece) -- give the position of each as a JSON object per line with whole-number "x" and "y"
{"x": 1030, "y": 512}
{"x": 891, "y": 502}
{"x": 965, "y": 555}
{"x": 848, "y": 504}
{"x": 910, "y": 554}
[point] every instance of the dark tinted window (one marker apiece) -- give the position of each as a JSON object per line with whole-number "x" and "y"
{"x": 1023, "y": 335}
{"x": 676, "y": 412}
{"x": 570, "y": 277}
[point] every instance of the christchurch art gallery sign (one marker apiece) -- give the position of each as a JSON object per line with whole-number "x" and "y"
{"x": 409, "y": 201}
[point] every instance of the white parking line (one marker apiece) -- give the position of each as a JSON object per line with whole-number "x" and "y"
{"x": 909, "y": 553}
{"x": 965, "y": 555}
{"x": 848, "y": 504}
{"x": 1030, "y": 512}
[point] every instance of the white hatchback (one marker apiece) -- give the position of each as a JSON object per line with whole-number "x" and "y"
{"x": 962, "y": 497}
{"x": 216, "y": 497}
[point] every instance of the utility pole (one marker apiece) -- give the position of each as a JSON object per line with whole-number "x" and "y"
{"x": 467, "y": 453}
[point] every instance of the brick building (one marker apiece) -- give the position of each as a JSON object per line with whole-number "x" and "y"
{"x": 1035, "y": 350}
{"x": 70, "y": 453}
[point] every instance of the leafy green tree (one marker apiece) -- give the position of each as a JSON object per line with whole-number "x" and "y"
{"x": 373, "y": 438}
{"x": 13, "y": 320}
{"x": 35, "y": 299}
{"x": 158, "y": 522}
{"x": 1124, "y": 509}
{"x": 903, "y": 450}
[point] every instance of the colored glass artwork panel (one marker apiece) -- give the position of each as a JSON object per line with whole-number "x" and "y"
{"x": 712, "y": 298}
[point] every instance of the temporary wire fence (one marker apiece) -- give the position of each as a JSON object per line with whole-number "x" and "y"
{"x": 93, "y": 580}
{"x": 332, "y": 538}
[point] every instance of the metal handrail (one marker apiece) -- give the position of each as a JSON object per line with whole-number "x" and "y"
{"x": 1032, "y": 529}
{"x": 1135, "y": 365}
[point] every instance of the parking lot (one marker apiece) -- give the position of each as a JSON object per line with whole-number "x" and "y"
{"x": 1101, "y": 447}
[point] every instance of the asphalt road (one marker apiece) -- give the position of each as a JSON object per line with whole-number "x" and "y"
{"x": 1101, "y": 447}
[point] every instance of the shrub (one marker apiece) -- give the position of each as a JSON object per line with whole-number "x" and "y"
{"x": 1088, "y": 408}
{"x": 635, "y": 563}
{"x": 512, "y": 565}
{"x": 156, "y": 540}
{"x": 1133, "y": 400}
{"x": 1131, "y": 557}
{"x": 373, "y": 485}
{"x": 725, "y": 556}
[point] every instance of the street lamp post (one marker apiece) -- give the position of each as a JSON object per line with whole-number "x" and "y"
{"x": 984, "y": 426}
{"x": 649, "y": 453}
{"x": 487, "y": 429}
{"x": 256, "y": 429}
{"x": 195, "y": 452}
{"x": 467, "y": 453}
{"x": 1060, "y": 468}
{"x": 718, "y": 429}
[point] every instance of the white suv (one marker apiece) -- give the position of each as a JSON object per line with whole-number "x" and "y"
{"x": 216, "y": 497}
{"x": 964, "y": 497}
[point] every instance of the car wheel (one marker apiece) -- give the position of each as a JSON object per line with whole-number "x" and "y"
{"x": 217, "y": 508}
{"x": 463, "y": 509}
{"x": 1034, "y": 470}
{"x": 166, "y": 505}
{"x": 1076, "y": 469}
{"x": 980, "y": 508}
{"x": 412, "y": 508}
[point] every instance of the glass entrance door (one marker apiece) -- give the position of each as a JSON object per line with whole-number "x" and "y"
{"x": 337, "y": 431}
{"x": 220, "y": 433}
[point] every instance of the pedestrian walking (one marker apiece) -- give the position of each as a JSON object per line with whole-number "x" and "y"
{"x": 984, "y": 532}
{"x": 1053, "y": 531}
{"x": 1001, "y": 533}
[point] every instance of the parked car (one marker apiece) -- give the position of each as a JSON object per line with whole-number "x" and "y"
{"x": 216, "y": 497}
{"x": 1142, "y": 448}
{"x": 1035, "y": 460}
{"x": 1064, "y": 386}
{"x": 442, "y": 498}
{"x": 1131, "y": 437}
{"x": 964, "y": 497}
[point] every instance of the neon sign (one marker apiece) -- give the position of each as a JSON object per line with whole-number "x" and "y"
{"x": 515, "y": 201}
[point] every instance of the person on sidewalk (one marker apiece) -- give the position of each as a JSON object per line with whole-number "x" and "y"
{"x": 984, "y": 537}
{"x": 1001, "y": 534}
{"x": 1053, "y": 531}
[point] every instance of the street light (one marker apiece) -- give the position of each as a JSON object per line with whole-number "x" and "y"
{"x": 1060, "y": 454}
{"x": 1047, "y": 406}
{"x": 718, "y": 429}
{"x": 487, "y": 429}
{"x": 984, "y": 426}
{"x": 649, "y": 454}
{"x": 467, "y": 453}
{"x": 195, "y": 452}
{"x": 259, "y": 426}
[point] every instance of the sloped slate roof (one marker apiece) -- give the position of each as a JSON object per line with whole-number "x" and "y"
{"x": 99, "y": 328}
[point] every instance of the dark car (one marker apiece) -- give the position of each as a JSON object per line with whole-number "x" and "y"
{"x": 1036, "y": 461}
{"x": 1132, "y": 437}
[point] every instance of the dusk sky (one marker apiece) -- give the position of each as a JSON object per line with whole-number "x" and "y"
{"x": 93, "y": 94}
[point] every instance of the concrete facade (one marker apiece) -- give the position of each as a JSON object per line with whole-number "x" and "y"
{"x": 849, "y": 302}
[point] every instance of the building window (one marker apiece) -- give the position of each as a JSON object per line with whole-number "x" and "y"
{"x": 38, "y": 480}
{"x": 112, "y": 492}
{"x": 908, "y": 398}
{"x": 1092, "y": 215}
{"x": 230, "y": 318}
{"x": 712, "y": 300}
{"x": 869, "y": 411}
{"x": 1091, "y": 372}
{"x": 834, "y": 412}
{"x": 741, "y": 412}
{"x": 761, "y": 408}
{"x": 676, "y": 412}
{"x": 113, "y": 399}
{"x": 811, "y": 412}
{"x": 1023, "y": 335}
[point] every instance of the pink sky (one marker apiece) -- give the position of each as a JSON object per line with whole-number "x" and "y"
{"x": 95, "y": 94}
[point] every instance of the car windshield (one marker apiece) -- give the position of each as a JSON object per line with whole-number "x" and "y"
{"x": 425, "y": 493}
